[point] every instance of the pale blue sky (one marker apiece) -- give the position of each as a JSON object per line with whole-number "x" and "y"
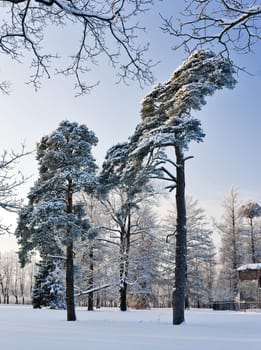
{"x": 231, "y": 119}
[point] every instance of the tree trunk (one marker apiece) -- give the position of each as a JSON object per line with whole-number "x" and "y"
{"x": 234, "y": 277}
{"x": 98, "y": 300}
{"x": 70, "y": 284}
{"x": 90, "y": 295}
{"x": 123, "y": 297}
{"x": 123, "y": 284}
{"x": 90, "y": 302}
{"x": 181, "y": 242}
{"x": 71, "y": 316}
{"x": 124, "y": 263}
{"x": 253, "y": 250}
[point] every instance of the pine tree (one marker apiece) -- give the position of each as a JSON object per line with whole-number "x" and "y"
{"x": 31, "y": 239}
{"x": 167, "y": 122}
{"x": 66, "y": 166}
{"x": 48, "y": 289}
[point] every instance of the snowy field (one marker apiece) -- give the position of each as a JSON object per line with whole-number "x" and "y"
{"x": 23, "y": 328}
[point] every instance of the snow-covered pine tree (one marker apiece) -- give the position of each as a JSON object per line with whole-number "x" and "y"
{"x": 32, "y": 239}
{"x": 167, "y": 122}
{"x": 66, "y": 166}
{"x": 48, "y": 288}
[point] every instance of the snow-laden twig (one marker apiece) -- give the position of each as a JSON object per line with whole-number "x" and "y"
{"x": 95, "y": 289}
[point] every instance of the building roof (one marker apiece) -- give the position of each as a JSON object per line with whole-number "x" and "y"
{"x": 250, "y": 267}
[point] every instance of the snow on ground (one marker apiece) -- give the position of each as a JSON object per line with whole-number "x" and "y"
{"x": 23, "y": 328}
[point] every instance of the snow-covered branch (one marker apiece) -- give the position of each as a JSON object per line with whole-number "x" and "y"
{"x": 233, "y": 25}
{"x": 59, "y": 257}
{"x": 95, "y": 289}
{"x": 25, "y": 23}
{"x": 4, "y": 87}
{"x": 9, "y": 181}
{"x": 107, "y": 241}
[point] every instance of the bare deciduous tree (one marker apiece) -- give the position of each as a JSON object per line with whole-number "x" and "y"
{"x": 232, "y": 24}
{"x": 251, "y": 210}
{"x": 15, "y": 283}
{"x": 106, "y": 28}
{"x": 9, "y": 182}
{"x": 231, "y": 250}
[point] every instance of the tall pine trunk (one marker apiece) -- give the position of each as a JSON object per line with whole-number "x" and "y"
{"x": 70, "y": 283}
{"x": 181, "y": 242}
{"x": 71, "y": 316}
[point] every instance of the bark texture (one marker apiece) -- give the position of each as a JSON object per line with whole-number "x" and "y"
{"x": 71, "y": 316}
{"x": 181, "y": 242}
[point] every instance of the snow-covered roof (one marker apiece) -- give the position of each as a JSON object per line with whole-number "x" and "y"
{"x": 250, "y": 267}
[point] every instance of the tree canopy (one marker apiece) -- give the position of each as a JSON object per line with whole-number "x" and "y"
{"x": 166, "y": 111}
{"x": 167, "y": 121}
{"x": 66, "y": 166}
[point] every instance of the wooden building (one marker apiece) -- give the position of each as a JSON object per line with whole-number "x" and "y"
{"x": 250, "y": 284}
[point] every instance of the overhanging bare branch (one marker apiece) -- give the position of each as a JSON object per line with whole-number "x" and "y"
{"x": 233, "y": 25}
{"x": 107, "y": 30}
